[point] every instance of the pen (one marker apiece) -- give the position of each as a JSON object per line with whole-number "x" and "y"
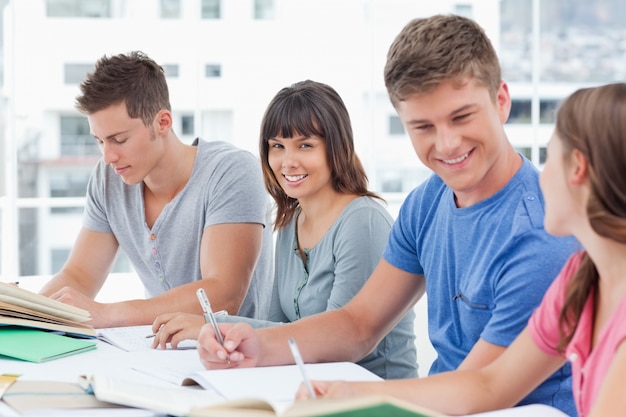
{"x": 208, "y": 314}
{"x": 298, "y": 358}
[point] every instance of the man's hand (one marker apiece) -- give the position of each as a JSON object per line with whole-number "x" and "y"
{"x": 173, "y": 328}
{"x": 97, "y": 311}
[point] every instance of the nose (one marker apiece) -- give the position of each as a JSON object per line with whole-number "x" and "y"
{"x": 289, "y": 159}
{"x": 447, "y": 141}
{"x": 108, "y": 153}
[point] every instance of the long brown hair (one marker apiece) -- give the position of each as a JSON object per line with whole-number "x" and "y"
{"x": 593, "y": 121}
{"x": 312, "y": 108}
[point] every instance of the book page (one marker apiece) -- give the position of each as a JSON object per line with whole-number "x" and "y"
{"x": 12, "y": 294}
{"x": 135, "y": 338}
{"x": 285, "y": 380}
{"x": 174, "y": 400}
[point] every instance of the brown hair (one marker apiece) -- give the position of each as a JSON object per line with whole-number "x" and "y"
{"x": 311, "y": 108}
{"x": 593, "y": 121}
{"x": 134, "y": 79}
{"x": 429, "y": 51}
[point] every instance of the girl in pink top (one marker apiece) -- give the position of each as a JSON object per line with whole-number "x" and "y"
{"x": 581, "y": 318}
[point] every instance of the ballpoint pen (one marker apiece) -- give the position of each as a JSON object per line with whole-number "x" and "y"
{"x": 208, "y": 314}
{"x": 298, "y": 358}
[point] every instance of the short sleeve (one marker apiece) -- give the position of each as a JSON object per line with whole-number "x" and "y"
{"x": 543, "y": 325}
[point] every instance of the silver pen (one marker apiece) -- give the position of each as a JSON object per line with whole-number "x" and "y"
{"x": 209, "y": 317}
{"x": 298, "y": 358}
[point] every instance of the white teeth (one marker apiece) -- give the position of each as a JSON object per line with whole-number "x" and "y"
{"x": 456, "y": 160}
{"x": 295, "y": 177}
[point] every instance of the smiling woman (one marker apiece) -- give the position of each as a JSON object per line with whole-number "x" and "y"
{"x": 331, "y": 230}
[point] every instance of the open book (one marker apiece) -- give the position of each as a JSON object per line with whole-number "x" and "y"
{"x": 190, "y": 402}
{"x": 269, "y": 389}
{"x": 20, "y": 307}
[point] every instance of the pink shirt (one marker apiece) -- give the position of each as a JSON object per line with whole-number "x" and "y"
{"x": 588, "y": 367}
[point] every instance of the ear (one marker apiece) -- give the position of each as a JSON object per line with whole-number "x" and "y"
{"x": 503, "y": 100}
{"x": 163, "y": 121}
{"x": 579, "y": 168}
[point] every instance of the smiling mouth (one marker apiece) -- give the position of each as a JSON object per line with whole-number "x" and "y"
{"x": 294, "y": 178}
{"x": 457, "y": 159}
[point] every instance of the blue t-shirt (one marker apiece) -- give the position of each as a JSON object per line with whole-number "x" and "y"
{"x": 486, "y": 266}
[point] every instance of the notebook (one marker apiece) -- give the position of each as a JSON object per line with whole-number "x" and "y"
{"x": 34, "y": 345}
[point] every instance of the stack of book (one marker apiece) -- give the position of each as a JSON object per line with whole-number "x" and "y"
{"x": 36, "y": 328}
{"x": 20, "y": 307}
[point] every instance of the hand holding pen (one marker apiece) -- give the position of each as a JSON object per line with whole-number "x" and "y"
{"x": 209, "y": 317}
{"x": 298, "y": 359}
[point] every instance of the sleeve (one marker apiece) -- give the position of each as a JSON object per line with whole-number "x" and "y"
{"x": 94, "y": 216}
{"x": 236, "y": 192}
{"x": 401, "y": 249}
{"x": 357, "y": 249}
{"x": 544, "y": 322}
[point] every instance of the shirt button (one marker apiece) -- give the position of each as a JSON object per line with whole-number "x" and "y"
{"x": 530, "y": 198}
{"x": 152, "y": 236}
{"x": 573, "y": 357}
{"x": 161, "y": 279}
{"x": 157, "y": 265}
{"x": 154, "y": 251}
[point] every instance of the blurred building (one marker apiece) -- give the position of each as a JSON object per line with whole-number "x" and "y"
{"x": 225, "y": 60}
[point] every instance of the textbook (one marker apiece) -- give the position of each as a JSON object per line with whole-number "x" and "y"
{"x": 261, "y": 389}
{"x": 20, "y": 307}
{"x": 35, "y": 345}
{"x": 189, "y": 402}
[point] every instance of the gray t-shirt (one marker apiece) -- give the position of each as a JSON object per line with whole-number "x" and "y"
{"x": 336, "y": 269}
{"x": 225, "y": 186}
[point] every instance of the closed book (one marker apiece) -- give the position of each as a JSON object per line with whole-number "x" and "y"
{"x": 34, "y": 345}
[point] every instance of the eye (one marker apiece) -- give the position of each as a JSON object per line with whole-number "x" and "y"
{"x": 461, "y": 117}
{"x": 275, "y": 145}
{"x": 423, "y": 127}
{"x": 306, "y": 145}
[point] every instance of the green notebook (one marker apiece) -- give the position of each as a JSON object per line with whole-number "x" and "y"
{"x": 39, "y": 346}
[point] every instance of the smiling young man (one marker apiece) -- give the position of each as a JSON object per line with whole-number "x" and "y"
{"x": 187, "y": 216}
{"x": 471, "y": 235}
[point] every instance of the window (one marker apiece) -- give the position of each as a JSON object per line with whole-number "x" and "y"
{"x": 78, "y": 8}
{"x": 171, "y": 70}
{"x": 526, "y": 151}
{"x": 263, "y": 9}
{"x": 520, "y": 111}
{"x": 187, "y": 125}
{"x": 213, "y": 71}
{"x": 211, "y": 9}
{"x": 464, "y": 10}
{"x": 75, "y": 137}
{"x": 395, "y": 125}
{"x": 170, "y": 9}
{"x": 58, "y": 258}
{"x": 75, "y": 73}
{"x": 547, "y": 110}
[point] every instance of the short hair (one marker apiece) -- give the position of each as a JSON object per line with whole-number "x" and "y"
{"x": 429, "y": 51}
{"x": 131, "y": 78}
{"x": 311, "y": 108}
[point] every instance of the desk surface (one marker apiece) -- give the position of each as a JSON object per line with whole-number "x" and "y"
{"x": 105, "y": 359}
